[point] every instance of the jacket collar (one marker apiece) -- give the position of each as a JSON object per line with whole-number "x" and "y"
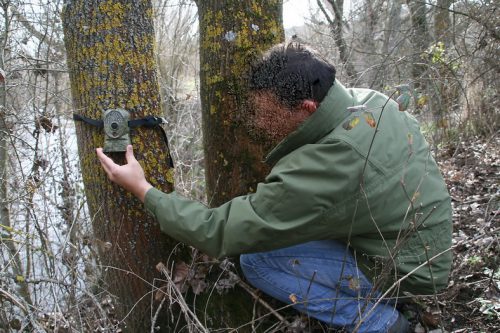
{"x": 331, "y": 112}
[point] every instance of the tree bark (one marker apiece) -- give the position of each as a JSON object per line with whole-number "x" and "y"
{"x": 442, "y": 21}
{"x": 232, "y": 33}
{"x": 112, "y": 65}
{"x": 420, "y": 41}
{"x": 337, "y": 26}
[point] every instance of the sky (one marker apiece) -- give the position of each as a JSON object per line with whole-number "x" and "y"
{"x": 294, "y": 12}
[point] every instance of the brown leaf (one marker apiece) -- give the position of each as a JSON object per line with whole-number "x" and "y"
{"x": 161, "y": 293}
{"x": 198, "y": 286}
{"x": 350, "y": 124}
{"x": 430, "y": 319}
{"x": 46, "y": 123}
{"x": 370, "y": 120}
{"x": 181, "y": 272}
{"x": 353, "y": 283}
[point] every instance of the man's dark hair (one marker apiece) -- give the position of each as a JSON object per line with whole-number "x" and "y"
{"x": 294, "y": 73}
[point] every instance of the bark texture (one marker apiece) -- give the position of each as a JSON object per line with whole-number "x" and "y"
{"x": 111, "y": 61}
{"x": 420, "y": 40}
{"x": 232, "y": 34}
{"x": 337, "y": 26}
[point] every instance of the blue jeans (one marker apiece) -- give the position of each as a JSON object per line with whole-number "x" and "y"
{"x": 320, "y": 279}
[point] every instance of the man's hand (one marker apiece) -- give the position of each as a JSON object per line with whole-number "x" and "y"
{"x": 129, "y": 176}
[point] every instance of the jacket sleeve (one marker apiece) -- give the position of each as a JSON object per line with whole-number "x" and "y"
{"x": 287, "y": 209}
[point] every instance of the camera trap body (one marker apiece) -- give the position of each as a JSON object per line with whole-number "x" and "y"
{"x": 116, "y": 129}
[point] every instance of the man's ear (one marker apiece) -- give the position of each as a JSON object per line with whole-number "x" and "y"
{"x": 309, "y": 105}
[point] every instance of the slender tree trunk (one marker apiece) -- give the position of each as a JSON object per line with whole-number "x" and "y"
{"x": 420, "y": 41}
{"x": 370, "y": 24}
{"x": 232, "y": 33}
{"x": 442, "y": 21}
{"x": 389, "y": 47}
{"x": 445, "y": 86}
{"x": 337, "y": 26}
{"x": 111, "y": 61}
{"x": 5, "y": 221}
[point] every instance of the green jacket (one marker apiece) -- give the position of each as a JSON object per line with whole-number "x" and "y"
{"x": 328, "y": 184}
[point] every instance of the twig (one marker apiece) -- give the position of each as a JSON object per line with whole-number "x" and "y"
{"x": 189, "y": 315}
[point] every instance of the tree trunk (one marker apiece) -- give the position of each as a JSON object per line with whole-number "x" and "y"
{"x": 232, "y": 33}
{"x": 445, "y": 88}
{"x": 442, "y": 21}
{"x": 337, "y": 26}
{"x": 389, "y": 46}
{"x": 420, "y": 41}
{"x": 371, "y": 17}
{"x": 111, "y": 61}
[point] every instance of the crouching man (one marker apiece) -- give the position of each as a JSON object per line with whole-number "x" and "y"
{"x": 353, "y": 213}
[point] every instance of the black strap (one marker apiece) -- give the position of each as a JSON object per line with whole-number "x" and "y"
{"x": 148, "y": 122}
{"x": 93, "y": 122}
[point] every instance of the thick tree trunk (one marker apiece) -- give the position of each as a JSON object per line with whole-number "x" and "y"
{"x": 232, "y": 33}
{"x": 111, "y": 61}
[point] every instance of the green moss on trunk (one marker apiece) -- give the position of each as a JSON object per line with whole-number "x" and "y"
{"x": 110, "y": 53}
{"x": 232, "y": 34}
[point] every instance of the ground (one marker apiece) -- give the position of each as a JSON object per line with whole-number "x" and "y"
{"x": 471, "y": 303}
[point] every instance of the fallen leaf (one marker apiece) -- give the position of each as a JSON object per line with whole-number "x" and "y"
{"x": 429, "y": 319}
{"x": 181, "y": 272}
{"x": 198, "y": 286}
{"x": 161, "y": 293}
{"x": 350, "y": 124}
{"x": 370, "y": 120}
{"x": 353, "y": 283}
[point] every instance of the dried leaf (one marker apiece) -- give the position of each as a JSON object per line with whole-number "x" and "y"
{"x": 161, "y": 293}
{"x": 293, "y": 298}
{"x": 2, "y": 75}
{"x": 370, "y": 120}
{"x": 354, "y": 283}
{"x": 45, "y": 123}
{"x": 429, "y": 319}
{"x": 181, "y": 272}
{"x": 350, "y": 124}
{"x": 198, "y": 286}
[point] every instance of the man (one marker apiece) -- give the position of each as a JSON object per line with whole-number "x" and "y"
{"x": 354, "y": 212}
